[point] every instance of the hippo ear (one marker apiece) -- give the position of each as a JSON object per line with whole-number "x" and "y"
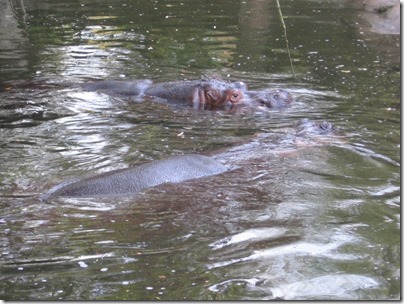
{"x": 240, "y": 85}
{"x": 282, "y": 96}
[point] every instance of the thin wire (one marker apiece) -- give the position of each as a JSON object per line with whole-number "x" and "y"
{"x": 286, "y": 37}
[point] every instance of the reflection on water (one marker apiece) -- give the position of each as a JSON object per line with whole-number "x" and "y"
{"x": 301, "y": 218}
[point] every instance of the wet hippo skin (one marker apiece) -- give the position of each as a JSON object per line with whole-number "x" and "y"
{"x": 211, "y": 93}
{"x": 274, "y": 99}
{"x": 204, "y": 93}
{"x": 306, "y": 126}
{"x": 132, "y": 180}
{"x": 118, "y": 87}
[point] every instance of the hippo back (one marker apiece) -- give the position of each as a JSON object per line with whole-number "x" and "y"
{"x": 131, "y": 180}
{"x": 118, "y": 87}
{"x": 180, "y": 91}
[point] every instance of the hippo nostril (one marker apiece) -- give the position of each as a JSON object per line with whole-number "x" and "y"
{"x": 325, "y": 125}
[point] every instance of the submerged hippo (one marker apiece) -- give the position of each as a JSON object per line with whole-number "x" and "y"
{"x": 306, "y": 126}
{"x": 132, "y": 180}
{"x": 273, "y": 99}
{"x": 124, "y": 182}
{"x": 118, "y": 87}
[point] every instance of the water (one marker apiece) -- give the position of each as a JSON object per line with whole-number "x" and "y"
{"x": 297, "y": 220}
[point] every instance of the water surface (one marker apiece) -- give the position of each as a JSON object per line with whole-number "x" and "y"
{"x": 297, "y": 220}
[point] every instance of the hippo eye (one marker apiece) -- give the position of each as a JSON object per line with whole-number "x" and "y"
{"x": 276, "y": 96}
{"x": 235, "y": 95}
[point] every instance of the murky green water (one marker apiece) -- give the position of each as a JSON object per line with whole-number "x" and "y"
{"x": 295, "y": 222}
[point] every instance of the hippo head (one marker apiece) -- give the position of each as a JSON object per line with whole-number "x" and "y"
{"x": 306, "y": 126}
{"x": 273, "y": 98}
{"x": 218, "y": 93}
{"x": 219, "y": 98}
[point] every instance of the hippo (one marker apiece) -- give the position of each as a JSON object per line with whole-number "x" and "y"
{"x": 274, "y": 99}
{"x": 381, "y": 17}
{"x": 129, "y": 181}
{"x": 209, "y": 94}
{"x": 305, "y": 126}
{"x": 201, "y": 94}
{"x": 118, "y": 87}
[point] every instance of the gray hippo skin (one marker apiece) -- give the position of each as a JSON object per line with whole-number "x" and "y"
{"x": 212, "y": 93}
{"x": 204, "y": 93}
{"x": 274, "y": 99}
{"x": 118, "y": 87}
{"x": 307, "y": 127}
{"x": 131, "y": 180}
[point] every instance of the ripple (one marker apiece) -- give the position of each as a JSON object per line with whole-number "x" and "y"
{"x": 220, "y": 287}
{"x": 325, "y": 287}
{"x": 301, "y": 249}
{"x": 249, "y": 235}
